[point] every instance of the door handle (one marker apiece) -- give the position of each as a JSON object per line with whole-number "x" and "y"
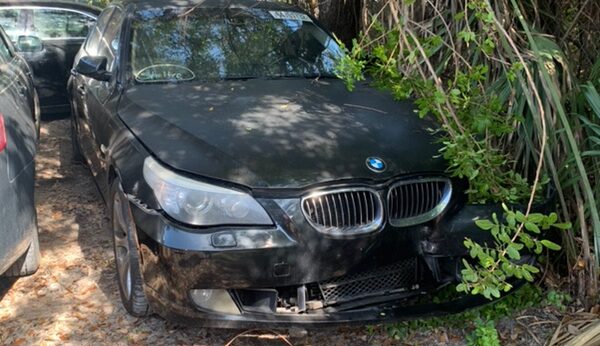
{"x": 81, "y": 90}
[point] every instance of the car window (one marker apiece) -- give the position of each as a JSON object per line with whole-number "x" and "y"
{"x": 12, "y": 22}
{"x": 91, "y": 44}
{"x": 58, "y": 23}
{"x": 78, "y": 25}
{"x": 108, "y": 45}
{"x": 4, "y": 52}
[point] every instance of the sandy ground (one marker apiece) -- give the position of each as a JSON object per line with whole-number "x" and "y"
{"x": 73, "y": 298}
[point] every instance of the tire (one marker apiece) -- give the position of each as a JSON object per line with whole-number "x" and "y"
{"x": 76, "y": 154}
{"x": 29, "y": 263}
{"x": 127, "y": 258}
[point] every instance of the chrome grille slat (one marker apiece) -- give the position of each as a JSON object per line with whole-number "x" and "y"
{"x": 415, "y": 201}
{"x": 354, "y": 215}
{"x": 360, "y": 208}
{"x": 329, "y": 211}
{"x": 435, "y": 195}
{"x": 315, "y": 209}
{"x": 422, "y": 200}
{"x": 370, "y": 204}
{"x": 341, "y": 211}
{"x": 344, "y": 211}
{"x": 431, "y": 195}
{"x": 402, "y": 191}
{"x": 348, "y": 209}
{"x": 322, "y": 210}
{"x": 337, "y": 223}
{"x": 411, "y": 199}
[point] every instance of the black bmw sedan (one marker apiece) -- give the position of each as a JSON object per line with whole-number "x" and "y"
{"x": 247, "y": 185}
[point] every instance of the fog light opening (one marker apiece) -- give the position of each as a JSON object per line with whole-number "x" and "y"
{"x": 214, "y": 300}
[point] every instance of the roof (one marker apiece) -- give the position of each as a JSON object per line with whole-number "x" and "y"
{"x": 54, "y": 4}
{"x": 271, "y": 5}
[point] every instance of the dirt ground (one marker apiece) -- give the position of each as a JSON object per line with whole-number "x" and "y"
{"x": 73, "y": 298}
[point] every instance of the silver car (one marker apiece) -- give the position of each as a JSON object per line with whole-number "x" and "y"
{"x": 19, "y": 126}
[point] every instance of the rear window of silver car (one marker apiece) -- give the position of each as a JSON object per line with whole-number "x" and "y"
{"x": 45, "y": 23}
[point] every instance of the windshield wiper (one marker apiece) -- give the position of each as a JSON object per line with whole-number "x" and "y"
{"x": 239, "y": 77}
{"x": 319, "y": 76}
{"x": 304, "y": 76}
{"x": 282, "y": 76}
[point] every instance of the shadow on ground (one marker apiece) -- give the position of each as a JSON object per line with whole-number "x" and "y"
{"x": 5, "y": 285}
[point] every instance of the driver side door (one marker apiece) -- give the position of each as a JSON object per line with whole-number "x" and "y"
{"x": 96, "y": 99}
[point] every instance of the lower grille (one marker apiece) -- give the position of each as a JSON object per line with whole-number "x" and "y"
{"x": 398, "y": 277}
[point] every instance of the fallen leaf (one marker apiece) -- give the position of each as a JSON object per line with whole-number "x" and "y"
{"x": 18, "y": 342}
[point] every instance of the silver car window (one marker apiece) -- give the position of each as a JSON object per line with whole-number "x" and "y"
{"x": 58, "y": 24}
{"x": 12, "y": 22}
{"x": 5, "y": 54}
{"x": 45, "y": 22}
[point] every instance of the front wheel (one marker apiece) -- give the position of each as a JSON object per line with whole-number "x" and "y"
{"x": 129, "y": 278}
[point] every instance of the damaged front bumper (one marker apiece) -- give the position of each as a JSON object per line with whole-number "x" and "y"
{"x": 291, "y": 274}
{"x": 394, "y": 308}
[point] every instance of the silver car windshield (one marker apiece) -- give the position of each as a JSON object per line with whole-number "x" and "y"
{"x": 208, "y": 44}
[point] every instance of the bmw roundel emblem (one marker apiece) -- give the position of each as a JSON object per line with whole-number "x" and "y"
{"x": 375, "y": 164}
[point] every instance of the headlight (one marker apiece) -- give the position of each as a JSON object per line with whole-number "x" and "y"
{"x": 197, "y": 203}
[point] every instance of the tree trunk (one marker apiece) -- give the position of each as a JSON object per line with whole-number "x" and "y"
{"x": 342, "y": 17}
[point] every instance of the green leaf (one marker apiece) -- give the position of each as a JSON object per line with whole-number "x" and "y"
{"x": 510, "y": 219}
{"x": 513, "y": 253}
{"x": 538, "y": 248}
{"x": 484, "y": 224}
{"x": 466, "y": 36}
{"x": 563, "y": 226}
{"x": 550, "y": 245}
{"x": 520, "y": 216}
{"x": 531, "y": 268}
{"x": 495, "y": 292}
{"x": 532, "y": 227}
{"x": 593, "y": 153}
{"x": 535, "y": 217}
{"x": 505, "y": 238}
{"x": 527, "y": 276}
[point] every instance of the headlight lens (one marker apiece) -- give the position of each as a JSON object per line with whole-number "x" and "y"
{"x": 197, "y": 203}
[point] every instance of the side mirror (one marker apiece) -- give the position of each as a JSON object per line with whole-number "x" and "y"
{"x": 93, "y": 67}
{"x": 29, "y": 44}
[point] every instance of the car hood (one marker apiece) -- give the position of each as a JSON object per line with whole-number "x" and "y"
{"x": 287, "y": 133}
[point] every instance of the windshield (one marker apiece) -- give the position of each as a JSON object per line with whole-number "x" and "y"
{"x": 208, "y": 44}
